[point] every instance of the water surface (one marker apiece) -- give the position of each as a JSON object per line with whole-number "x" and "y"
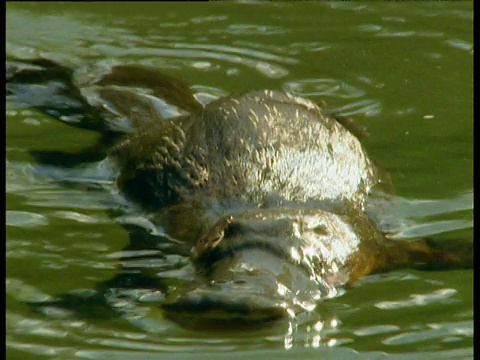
{"x": 403, "y": 71}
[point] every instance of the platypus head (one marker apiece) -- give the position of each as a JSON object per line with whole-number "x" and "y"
{"x": 259, "y": 266}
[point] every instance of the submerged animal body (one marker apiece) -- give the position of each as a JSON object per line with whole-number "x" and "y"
{"x": 266, "y": 190}
{"x": 277, "y": 188}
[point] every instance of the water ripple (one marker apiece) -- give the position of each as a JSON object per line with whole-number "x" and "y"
{"x": 24, "y": 219}
{"x": 250, "y": 29}
{"x": 441, "y": 295}
{"x": 438, "y": 332}
{"x": 460, "y": 44}
{"x": 322, "y": 87}
{"x": 268, "y": 69}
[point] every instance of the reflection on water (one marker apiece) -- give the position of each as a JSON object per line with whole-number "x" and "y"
{"x": 322, "y": 87}
{"x": 418, "y": 299}
{"x": 415, "y": 218}
{"x": 358, "y": 58}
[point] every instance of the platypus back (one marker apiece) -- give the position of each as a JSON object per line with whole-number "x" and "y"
{"x": 263, "y": 148}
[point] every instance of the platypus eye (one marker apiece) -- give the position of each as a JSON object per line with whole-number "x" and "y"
{"x": 232, "y": 229}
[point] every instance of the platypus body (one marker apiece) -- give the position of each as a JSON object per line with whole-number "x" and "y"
{"x": 265, "y": 190}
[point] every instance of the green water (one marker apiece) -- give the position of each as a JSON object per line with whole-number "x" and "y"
{"x": 403, "y": 69}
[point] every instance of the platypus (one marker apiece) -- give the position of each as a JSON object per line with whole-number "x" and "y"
{"x": 266, "y": 191}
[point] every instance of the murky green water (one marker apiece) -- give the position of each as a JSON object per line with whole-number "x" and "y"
{"x": 403, "y": 70}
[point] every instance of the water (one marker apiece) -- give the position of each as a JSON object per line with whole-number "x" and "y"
{"x": 403, "y": 71}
